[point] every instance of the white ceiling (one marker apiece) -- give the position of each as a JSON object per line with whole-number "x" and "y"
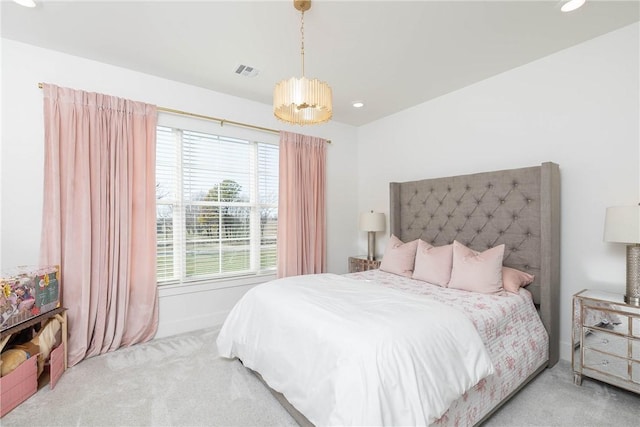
{"x": 390, "y": 54}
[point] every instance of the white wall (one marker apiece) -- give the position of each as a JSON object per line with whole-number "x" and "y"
{"x": 23, "y": 66}
{"x": 578, "y": 108}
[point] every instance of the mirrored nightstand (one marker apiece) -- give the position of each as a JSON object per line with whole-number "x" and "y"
{"x": 606, "y": 339}
{"x": 361, "y": 263}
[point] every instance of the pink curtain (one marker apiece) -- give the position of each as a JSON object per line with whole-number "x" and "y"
{"x": 99, "y": 219}
{"x": 301, "y": 207}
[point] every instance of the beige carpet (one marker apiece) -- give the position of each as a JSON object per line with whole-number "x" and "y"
{"x": 181, "y": 381}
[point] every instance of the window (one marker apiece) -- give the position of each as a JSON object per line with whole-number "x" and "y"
{"x": 217, "y": 205}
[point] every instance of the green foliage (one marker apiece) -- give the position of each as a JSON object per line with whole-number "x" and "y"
{"x": 223, "y": 221}
{"x": 227, "y": 191}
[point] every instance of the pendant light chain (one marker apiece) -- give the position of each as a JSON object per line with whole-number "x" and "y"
{"x": 302, "y": 40}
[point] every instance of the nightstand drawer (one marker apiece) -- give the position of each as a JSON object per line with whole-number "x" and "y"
{"x": 606, "y": 364}
{"x": 635, "y": 350}
{"x": 606, "y": 342}
{"x": 635, "y": 372}
{"x": 606, "y": 319}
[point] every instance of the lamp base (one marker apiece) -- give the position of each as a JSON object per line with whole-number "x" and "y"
{"x": 632, "y": 300}
{"x": 632, "y": 295}
{"x": 371, "y": 249}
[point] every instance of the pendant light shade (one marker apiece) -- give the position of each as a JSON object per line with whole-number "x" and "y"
{"x": 302, "y": 101}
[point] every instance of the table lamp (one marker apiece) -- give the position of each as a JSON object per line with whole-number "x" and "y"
{"x": 622, "y": 225}
{"x": 371, "y": 222}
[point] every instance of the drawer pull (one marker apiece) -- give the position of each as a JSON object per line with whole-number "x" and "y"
{"x": 605, "y": 341}
{"x": 605, "y": 362}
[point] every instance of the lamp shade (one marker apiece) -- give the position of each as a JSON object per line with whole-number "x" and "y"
{"x": 622, "y": 224}
{"x": 371, "y": 221}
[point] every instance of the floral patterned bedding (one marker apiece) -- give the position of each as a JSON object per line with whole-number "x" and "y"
{"x": 509, "y": 326}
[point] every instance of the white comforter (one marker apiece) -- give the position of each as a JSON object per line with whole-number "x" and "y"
{"x": 348, "y": 352}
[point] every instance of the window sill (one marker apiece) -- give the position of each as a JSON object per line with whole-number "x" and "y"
{"x": 171, "y": 289}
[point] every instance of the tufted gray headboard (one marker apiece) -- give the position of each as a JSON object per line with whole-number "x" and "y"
{"x": 517, "y": 207}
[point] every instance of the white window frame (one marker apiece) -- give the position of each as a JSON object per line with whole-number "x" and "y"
{"x": 253, "y": 137}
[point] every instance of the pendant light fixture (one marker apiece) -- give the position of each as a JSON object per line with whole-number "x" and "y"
{"x": 302, "y": 101}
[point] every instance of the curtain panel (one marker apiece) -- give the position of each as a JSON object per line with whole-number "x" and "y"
{"x": 301, "y": 242}
{"x": 99, "y": 219}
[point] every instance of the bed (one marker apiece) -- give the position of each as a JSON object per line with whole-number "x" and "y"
{"x": 305, "y": 367}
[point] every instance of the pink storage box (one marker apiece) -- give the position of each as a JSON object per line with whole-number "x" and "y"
{"x": 19, "y": 385}
{"x": 56, "y": 365}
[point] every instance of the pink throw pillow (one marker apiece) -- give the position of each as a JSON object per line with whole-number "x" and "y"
{"x": 513, "y": 280}
{"x": 433, "y": 263}
{"x": 399, "y": 257}
{"x": 477, "y": 272}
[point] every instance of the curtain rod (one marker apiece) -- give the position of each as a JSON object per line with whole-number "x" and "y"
{"x": 215, "y": 119}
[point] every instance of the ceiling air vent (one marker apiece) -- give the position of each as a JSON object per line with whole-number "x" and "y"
{"x": 247, "y": 71}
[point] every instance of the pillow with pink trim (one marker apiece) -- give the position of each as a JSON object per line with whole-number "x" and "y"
{"x": 399, "y": 257}
{"x": 433, "y": 263}
{"x": 513, "y": 280}
{"x": 477, "y": 271}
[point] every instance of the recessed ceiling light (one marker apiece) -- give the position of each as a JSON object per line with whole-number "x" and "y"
{"x": 358, "y": 104}
{"x": 26, "y": 3}
{"x": 572, "y": 5}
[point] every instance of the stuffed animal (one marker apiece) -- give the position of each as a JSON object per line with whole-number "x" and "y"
{"x": 42, "y": 344}
{"x": 13, "y": 358}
